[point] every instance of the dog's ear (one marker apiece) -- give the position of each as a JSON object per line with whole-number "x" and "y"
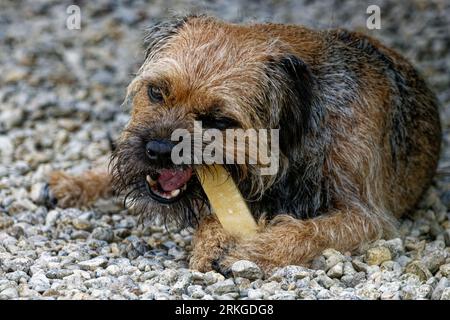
{"x": 299, "y": 105}
{"x": 157, "y": 34}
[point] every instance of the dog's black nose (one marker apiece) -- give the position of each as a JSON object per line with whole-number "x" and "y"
{"x": 159, "y": 150}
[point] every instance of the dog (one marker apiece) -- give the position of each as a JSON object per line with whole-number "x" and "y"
{"x": 359, "y": 136}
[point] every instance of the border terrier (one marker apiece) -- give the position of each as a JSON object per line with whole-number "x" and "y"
{"x": 359, "y": 135}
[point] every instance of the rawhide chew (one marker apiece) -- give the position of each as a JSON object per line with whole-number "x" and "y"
{"x": 226, "y": 201}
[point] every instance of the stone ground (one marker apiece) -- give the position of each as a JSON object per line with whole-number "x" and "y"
{"x": 60, "y": 93}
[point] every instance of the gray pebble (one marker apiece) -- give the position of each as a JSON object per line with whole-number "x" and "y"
{"x": 93, "y": 264}
{"x": 195, "y": 291}
{"x": 254, "y": 294}
{"x": 377, "y": 255}
{"x": 290, "y": 273}
{"x": 82, "y": 224}
{"x": 445, "y": 294}
{"x": 336, "y": 271}
{"x": 9, "y": 293}
{"x": 51, "y": 218}
{"x": 105, "y": 234}
{"x": 212, "y": 277}
{"x": 17, "y": 264}
{"x": 223, "y": 287}
{"x": 439, "y": 289}
{"x": 39, "y": 282}
{"x": 246, "y": 269}
{"x": 332, "y": 257}
{"x": 18, "y": 276}
{"x": 419, "y": 269}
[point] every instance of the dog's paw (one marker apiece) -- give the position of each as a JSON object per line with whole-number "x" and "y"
{"x": 204, "y": 260}
{"x": 224, "y": 263}
{"x": 212, "y": 262}
{"x": 217, "y": 259}
{"x": 64, "y": 191}
{"x": 209, "y": 244}
{"x": 42, "y": 195}
{"x": 253, "y": 250}
{"x": 201, "y": 263}
{"x": 221, "y": 258}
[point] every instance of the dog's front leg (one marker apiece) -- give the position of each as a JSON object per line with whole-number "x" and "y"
{"x": 210, "y": 242}
{"x": 288, "y": 241}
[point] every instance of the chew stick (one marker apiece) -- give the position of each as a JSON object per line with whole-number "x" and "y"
{"x": 226, "y": 201}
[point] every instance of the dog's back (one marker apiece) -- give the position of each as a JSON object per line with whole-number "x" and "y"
{"x": 382, "y": 121}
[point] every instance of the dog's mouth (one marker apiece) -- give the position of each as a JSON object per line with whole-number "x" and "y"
{"x": 168, "y": 185}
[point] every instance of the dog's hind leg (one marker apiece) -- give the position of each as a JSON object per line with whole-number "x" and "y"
{"x": 289, "y": 241}
{"x": 79, "y": 190}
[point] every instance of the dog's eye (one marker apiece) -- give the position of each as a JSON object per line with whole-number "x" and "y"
{"x": 155, "y": 94}
{"x": 220, "y": 123}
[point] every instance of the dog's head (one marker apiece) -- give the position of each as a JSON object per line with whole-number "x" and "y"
{"x": 223, "y": 76}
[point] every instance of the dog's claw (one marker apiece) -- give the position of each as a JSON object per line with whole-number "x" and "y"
{"x": 224, "y": 270}
{"x": 44, "y": 196}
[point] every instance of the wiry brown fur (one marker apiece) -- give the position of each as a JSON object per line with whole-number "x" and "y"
{"x": 359, "y": 130}
{"x": 81, "y": 190}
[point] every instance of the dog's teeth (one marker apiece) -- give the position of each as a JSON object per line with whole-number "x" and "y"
{"x": 175, "y": 192}
{"x": 150, "y": 181}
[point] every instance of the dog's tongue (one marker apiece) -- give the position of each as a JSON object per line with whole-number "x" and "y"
{"x": 170, "y": 180}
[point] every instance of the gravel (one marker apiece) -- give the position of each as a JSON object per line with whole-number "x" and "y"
{"x": 246, "y": 269}
{"x": 60, "y": 97}
{"x": 377, "y": 255}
